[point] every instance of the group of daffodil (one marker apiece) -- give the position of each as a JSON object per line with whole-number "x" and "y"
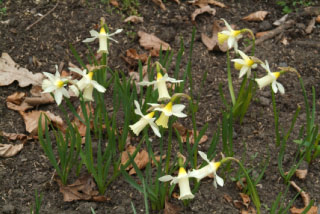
{"x": 56, "y": 84}
{"x": 247, "y": 63}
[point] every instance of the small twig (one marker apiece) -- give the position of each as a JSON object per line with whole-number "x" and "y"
{"x": 272, "y": 33}
{"x": 50, "y": 11}
{"x": 310, "y": 44}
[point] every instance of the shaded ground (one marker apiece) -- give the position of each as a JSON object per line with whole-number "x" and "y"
{"x": 47, "y": 43}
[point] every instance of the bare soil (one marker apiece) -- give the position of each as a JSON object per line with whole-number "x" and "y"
{"x": 47, "y": 43}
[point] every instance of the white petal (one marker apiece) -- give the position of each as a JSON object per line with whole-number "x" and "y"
{"x": 137, "y": 110}
{"x": 179, "y": 114}
{"x": 90, "y": 39}
{"x": 97, "y": 86}
{"x": 231, "y": 42}
{"x": 155, "y": 128}
{"x": 177, "y": 108}
{"x": 94, "y": 33}
{"x": 243, "y": 55}
{"x": 49, "y": 89}
{"x": 219, "y": 181}
{"x": 243, "y": 71}
{"x": 87, "y": 93}
{"x": 274, "y": 87}
{"x": 65, "y": 92}
{"x": 204, "y": 156}
{"x": 146, "y": 83}
{"x": 239, "y": 61}
{"x": 58, "y": 97}
{"x": 280, "y": 87}
{"x": 227, "y": 25}
{"x": 77, "y": 70}
{"x": 166, "y": 178}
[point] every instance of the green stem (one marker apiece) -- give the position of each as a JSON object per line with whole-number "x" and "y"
{"x": 230, "y": 80}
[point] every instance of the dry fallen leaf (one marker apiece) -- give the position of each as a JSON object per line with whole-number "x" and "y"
{"x": 184, "y": 133}
{"x": 301, "y": 173}
{"x": 203, "y": 3}
{"x": 9, "y": 150}
{"x": 256, "y": 16}
{"x": 160, "y": 4}
{"x": 311, "y": 25}
{"x": 212, "y": 43}
{"x": 16, "y": 102}
{"x": 152, "y": 43}
{"x": 242, "y": 184}
{"x": 84, "y": 188}
{"x": 114, "y": 3}
{"x": 141, "y": 159}
{"x": 134, "y": 19}
{"x": 206, "y": 9}
{"x": 227, "y": 198}
{"x": 313, "y": 210}
{"x": 306, "y": 200}
{"x": 132, "y": 57}
{"x": 318, "y": 19}
{"x": 15, "y": 136}
{"x": 281, "y": 20}
{"x": 245, "y": 199}
{"x": 10, "y": 72}
{"x": 31, "y": 120}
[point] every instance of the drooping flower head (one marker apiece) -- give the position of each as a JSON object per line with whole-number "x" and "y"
{"x": 144, "y": 121}
{"x": 183, "y": 181}
{"x": 210, "y": 169}
{"x": 161, "y": 84}
{"x": 56, "y": 85}
{"x": 86, "y": 84}
{"x": 103, "y": 39}
{"x": 245, "y": 64}
{"x": 270, "y": 78}
{"x": 230, "y": 35}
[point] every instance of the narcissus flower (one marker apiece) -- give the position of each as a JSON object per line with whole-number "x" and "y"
{"x": 183, "y": 181}
{"x": 86, "y": 84}
{"x": 144, "y": 121}
{"x": 103, "y": 37}
{"x": 210, "y": 169}
{"x": 161, "y": 85}
{"x": 55, "y": 84}
{"x": 167, "y": 111}
{"x": 244, "y": 65}
{"x": 230, "y": 35}
{"x": 270, "y": 78}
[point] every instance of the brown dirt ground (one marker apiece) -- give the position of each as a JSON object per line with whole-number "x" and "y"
{"x": 48, "y": 41}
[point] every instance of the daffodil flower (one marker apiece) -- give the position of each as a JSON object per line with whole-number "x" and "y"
{"x": 161, "y": 85}
{"x": 183, "y": 181}
{"x": 103, "y": 37}
{"x": 144, "y": 121}
{"x": 86, "y": 84}
{"x": 167, "y": 111}
{"x": 55, "y": 84}
{"x": 244, "y": 65}
{"x": 270, "y": 78}
{"x": 230, "y": 35}
{"x": 209, "y": 169}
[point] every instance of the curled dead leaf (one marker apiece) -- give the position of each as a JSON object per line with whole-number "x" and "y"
{"x": 227, "y": 198}
{"x": 318, "y": 19}
{"x": 256, "y": 16}
{"x": 152, "y": 43}
{"x": 261, "y": 34}
{"x": 203, "y": 3}
{"x": 114, "y": 3}
{"x": 301, "y": 173}
{"x": 16, "y": 102}
{"x": 15, "y": 136}
{"x": 134, "y": 19}
{"x": 313, "y": 210}
{"x": 206, "y": 9}
{"x": 9, "y": 150}
{"x": 10, "y": 72}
